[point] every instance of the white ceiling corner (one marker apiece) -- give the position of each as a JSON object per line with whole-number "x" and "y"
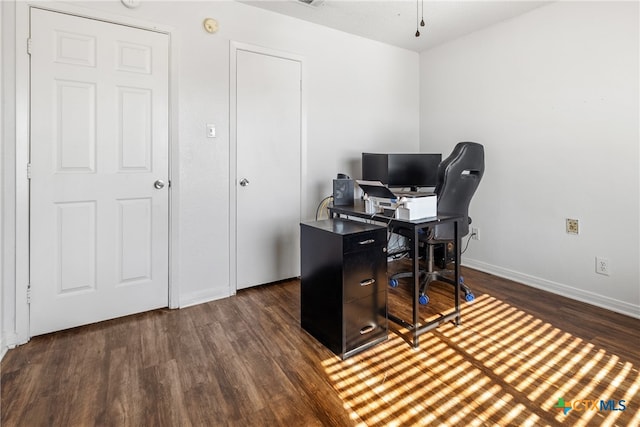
{"x": 394, "y": 21}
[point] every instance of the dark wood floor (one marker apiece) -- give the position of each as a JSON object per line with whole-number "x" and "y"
{"x": 245, "y": 361}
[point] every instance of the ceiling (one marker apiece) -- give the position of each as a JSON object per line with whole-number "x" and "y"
{"x": 394, "y": 21}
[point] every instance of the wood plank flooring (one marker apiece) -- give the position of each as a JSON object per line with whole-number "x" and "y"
{"x": 245, "y": 361}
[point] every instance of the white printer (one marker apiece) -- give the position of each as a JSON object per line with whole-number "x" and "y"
{"x": 417, "y": 206}
{"x": 406, "y": 206}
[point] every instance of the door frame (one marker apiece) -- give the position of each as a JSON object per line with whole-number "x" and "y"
{"x": 234, "y": 47}
{"x": 22, "y": 122}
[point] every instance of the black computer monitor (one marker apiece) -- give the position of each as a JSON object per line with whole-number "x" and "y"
{"x": 412, "y": 170}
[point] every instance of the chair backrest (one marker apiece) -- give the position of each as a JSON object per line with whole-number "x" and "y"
{"x": 458, "y": 178}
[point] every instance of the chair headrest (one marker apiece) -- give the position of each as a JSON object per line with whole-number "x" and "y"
{"x": 458, "y": 178}
{"x": 466, "y": 161}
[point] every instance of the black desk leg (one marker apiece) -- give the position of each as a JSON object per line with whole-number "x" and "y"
{"x": 416, "y": 285}
{"x": 456, "y": 234}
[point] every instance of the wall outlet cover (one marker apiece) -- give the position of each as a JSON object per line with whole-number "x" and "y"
{"x": 572, "y": 226}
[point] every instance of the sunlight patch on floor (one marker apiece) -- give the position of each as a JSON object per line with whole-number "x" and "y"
{"x": 501, "y": 366}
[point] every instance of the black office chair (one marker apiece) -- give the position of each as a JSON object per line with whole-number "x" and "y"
{"x": 458, "y": 178}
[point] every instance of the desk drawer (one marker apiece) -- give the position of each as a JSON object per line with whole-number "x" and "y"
{"x": 365, "y": 273}
{"x": 365, "y": 240}
{"x": 365, "y": 320}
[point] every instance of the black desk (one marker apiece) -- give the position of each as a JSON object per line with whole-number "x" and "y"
{"x": 358, "y": 211}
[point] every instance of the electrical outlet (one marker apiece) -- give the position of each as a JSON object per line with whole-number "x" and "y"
{"x": 602, "y": 266}
{"x": 475, "y": 233}
{"x": 572, "y": 226}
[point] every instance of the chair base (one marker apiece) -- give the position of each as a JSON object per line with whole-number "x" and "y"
{"x": 426, "y": 278}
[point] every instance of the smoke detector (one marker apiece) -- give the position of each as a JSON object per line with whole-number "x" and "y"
{"x": 314, "y": 3}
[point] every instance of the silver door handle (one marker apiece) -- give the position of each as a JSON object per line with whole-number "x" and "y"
{"x": 159, "y": 184}
{"x": 244, "y": 182}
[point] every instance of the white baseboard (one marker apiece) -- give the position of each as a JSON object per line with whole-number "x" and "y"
{"x": 3, "y": 348}
{"x": 201, "y": 297}
{"x": 592, "y": 298}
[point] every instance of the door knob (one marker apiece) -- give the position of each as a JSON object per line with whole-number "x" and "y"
{"x": 159, "y": 184}
{"x": 244, "y": 182}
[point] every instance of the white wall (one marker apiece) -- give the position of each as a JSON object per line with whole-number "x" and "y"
{"x": 553, "y": 96}
{"x": 362, "y": 96}
{"x": 7, "y": 136}
{"x": 3, "y": 346}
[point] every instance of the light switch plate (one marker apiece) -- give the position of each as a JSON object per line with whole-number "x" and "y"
{"x": 211, "y": 131}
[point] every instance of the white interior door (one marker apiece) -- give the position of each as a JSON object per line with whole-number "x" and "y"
{"x": 99, "y": 142}
{"x": 268, "y": 135}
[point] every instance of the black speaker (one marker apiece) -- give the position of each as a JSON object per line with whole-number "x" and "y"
{"x": 343, "y": 192}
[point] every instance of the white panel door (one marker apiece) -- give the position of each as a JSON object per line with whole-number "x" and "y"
{"x": 99, "y": 141}
{"x": 268, "y": 135}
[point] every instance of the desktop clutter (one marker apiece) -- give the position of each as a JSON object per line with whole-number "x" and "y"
{"x": 378, "y": 199}
{"x": 385, "y": 179}
{"x": 386, "y": 176}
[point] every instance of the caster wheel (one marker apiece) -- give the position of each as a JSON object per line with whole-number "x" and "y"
{"x": 461, "y": 280}
{"x": 469, "y": 297}
{"x": 393, "y": 283}
{"x": 423, "y": 299}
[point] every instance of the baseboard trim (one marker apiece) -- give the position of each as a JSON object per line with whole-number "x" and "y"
{"x": 592, "y": 298}
{"x": 3, "y": 348}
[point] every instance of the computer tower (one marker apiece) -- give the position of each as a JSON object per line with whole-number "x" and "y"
{"x": 343, "y": 192}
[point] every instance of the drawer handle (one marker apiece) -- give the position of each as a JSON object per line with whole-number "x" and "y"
{"x": 367, "y": 282}
{"x": 367, "y": 329}
{"x": 367, "y": 242}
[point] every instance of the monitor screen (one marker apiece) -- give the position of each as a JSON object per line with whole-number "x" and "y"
{"x": 374, "y": 167}
{"x": 402, "y": 170}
